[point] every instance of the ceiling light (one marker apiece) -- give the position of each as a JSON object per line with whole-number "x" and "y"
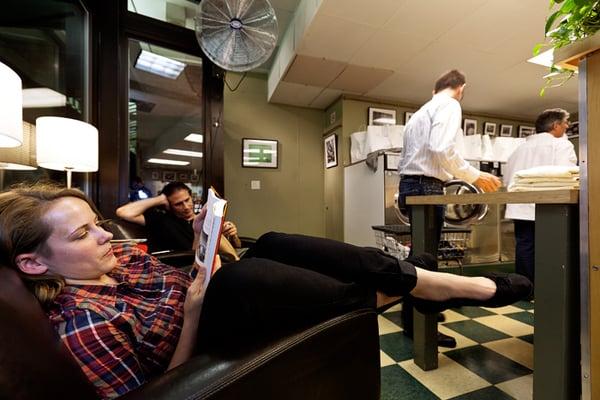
{"x": 43, "y": 97}
{"x": 194, "y": 137}
{"x": 546, "y": 58}
{"x": 168, "y": 162}
{"x": 187, "y": 153}
{"x": 159, "y": 65}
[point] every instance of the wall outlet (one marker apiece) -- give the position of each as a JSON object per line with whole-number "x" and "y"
{"x": 255, "y": 185}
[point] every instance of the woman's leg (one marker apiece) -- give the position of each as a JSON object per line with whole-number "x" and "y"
{"x": 256, "y": 299}
{"x": 347, "y": 263}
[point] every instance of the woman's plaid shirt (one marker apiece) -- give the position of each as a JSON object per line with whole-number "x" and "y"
{"x": 123, "y": 335}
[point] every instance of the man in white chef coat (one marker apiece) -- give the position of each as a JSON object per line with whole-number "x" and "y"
{"x": 549, "y": 146}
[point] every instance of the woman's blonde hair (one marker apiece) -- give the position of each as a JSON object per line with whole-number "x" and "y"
{"x": 23, "y": 229}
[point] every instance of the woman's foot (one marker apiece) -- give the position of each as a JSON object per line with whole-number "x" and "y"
{"x": 509, "y": 288}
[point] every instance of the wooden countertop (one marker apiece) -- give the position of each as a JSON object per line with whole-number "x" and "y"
{"x": 539, "y": 197}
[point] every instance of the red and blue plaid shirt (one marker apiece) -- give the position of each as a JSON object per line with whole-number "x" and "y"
{"x": 122, "y": 335}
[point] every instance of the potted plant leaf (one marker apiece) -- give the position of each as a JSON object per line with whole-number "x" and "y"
{"x": 571, "y": 28}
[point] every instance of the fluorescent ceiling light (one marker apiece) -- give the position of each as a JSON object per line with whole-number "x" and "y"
{"x": 159, "y": 65}
{"x": 187, "y": 153}
{"x": 546, "y": 58}
{"x": 43, "y": 97}
{"x": 194, "y": 137}
{"x": 169, "y": 162}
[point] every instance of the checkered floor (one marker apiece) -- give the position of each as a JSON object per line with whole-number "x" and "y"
{"x": 493, "y": 359}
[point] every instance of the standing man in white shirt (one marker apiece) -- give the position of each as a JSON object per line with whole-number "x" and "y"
{"x": 430, "y": 158}
{"x": 550, "y": 146}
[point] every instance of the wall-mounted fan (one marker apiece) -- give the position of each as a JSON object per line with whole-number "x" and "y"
{"x": 237, "y": 35}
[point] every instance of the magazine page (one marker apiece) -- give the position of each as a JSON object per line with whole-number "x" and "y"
{"x": 211, "y": 232}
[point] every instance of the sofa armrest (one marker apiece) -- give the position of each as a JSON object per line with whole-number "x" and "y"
{"x": 337, "y": 359}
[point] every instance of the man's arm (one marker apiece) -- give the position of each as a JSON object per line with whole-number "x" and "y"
{"x": 134, "y": 211}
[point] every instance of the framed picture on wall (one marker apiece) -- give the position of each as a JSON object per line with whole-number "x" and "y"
{"x": 506, "y": 130}
{"x": 259, "y": 153}
{"x": 169, "y": 176}
{"x": 330, "y": 148}
{"x": 469, "y": 127}
{"x": 573, "y": 130}
{"x": 407, "y": 116}
{"x": 391, "y": 161}
{"x": 194, "y": 178}
{"x": 155, "y": 175}
{"x": 382, "y": 116}
{"x": 183, "y": 177}
{"x": 489, "y": 128}
{"x": 525, "y": 131}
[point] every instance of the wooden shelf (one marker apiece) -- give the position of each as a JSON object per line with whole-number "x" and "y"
{"x": 568, "y": 57}
{"x": 539, "y": 197}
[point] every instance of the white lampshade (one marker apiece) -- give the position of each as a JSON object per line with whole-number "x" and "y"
{"x": 66, "y": 144}
{"x": 11, "y": 108}
{"x": 23, "y": 156}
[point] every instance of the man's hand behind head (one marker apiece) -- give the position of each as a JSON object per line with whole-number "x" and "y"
{"x": 487, "y": 182}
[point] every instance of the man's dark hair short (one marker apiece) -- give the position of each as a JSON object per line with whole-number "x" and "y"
{"x": 175, "y": 186}
{"x": 546, "y": 119}
{"x": 451, "y": 79}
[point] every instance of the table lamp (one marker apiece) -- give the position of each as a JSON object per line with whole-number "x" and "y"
{"x": 22, "y": 157}
{"x": 66, "y": 144}
{"x": 11, "y": 108}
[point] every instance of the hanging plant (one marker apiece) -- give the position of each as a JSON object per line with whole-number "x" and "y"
{"x": 572, "y": 20}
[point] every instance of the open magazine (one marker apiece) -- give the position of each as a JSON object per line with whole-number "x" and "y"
{"x": 210, "y": 237}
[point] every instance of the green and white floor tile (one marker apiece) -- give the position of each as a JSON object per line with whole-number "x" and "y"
{"x": 493, "y": 359}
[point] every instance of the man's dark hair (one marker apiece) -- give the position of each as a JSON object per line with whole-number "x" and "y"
{"x": 546, "y": 119}
{"x": 451, "y": 79}
{"x": 175, "y": 186}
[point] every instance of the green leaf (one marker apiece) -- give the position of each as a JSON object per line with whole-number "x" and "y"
{"x": 537, "y": 48}
{"x": 542, "y": 91}
{"x": 567, "y": 6}
{"x": 551, "y": 20}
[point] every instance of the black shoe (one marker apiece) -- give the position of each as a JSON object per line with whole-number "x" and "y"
{"x": 442, "y": 339}
{"x": 445, "y": 340}
{"x": 510, "y": 288}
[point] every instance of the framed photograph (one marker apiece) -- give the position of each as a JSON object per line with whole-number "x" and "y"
{"x": 330, "y": 147}
{"x": 407, "y": 116}
{"x": 392, "y": 161}
{"x": 382, "y": 116}
{"x": 573, "y": 130}
{"x": 194, "y": 178}
{"x": 259, "y": 153}
{"x": 506, "y": 130}
{"x": 183, "y": 177}
{"x": 169, "y": 176}
{"x": 469, "y": 126}
{"x": 489, "y": 128}
{"x": 525, "y": 131}
{"x": 155, "y": 176}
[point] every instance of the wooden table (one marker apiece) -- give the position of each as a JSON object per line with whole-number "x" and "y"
{"x": 556, "y": 372}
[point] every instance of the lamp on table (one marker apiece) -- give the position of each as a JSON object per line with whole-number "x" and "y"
{"x": 66, "y": 144}
{"x": 11, "y": 108}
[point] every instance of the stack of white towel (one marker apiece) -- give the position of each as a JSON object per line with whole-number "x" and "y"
{"x": 551, "y": 177}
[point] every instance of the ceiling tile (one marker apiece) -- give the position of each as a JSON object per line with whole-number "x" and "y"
{"x": 333, "y": 38}
{"x": 389, "y": 50}
{"x": 360, "y": 79}
{"x": 326, "y": 98}
{"x": 430, "y": 21}
{"x": 295, "y": 94}
{"x": 375, "y": 15}
{"x": 313, "y": 71}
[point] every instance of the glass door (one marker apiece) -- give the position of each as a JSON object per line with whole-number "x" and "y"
{"x": 166, "y": 138}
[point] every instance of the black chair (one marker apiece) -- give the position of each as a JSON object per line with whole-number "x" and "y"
{"x": 336, "y": 359}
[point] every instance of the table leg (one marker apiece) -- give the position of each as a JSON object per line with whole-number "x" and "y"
{"x": 424, "y": 325}
{"x": 556, "y": 372}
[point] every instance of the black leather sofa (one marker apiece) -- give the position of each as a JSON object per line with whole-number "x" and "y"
{"x": 337, "y": 359}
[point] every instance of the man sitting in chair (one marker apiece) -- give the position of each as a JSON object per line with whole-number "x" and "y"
{"x": 168, "y": 218}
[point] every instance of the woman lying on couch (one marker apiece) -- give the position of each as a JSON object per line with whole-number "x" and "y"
{"x": 126, "y": 317}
